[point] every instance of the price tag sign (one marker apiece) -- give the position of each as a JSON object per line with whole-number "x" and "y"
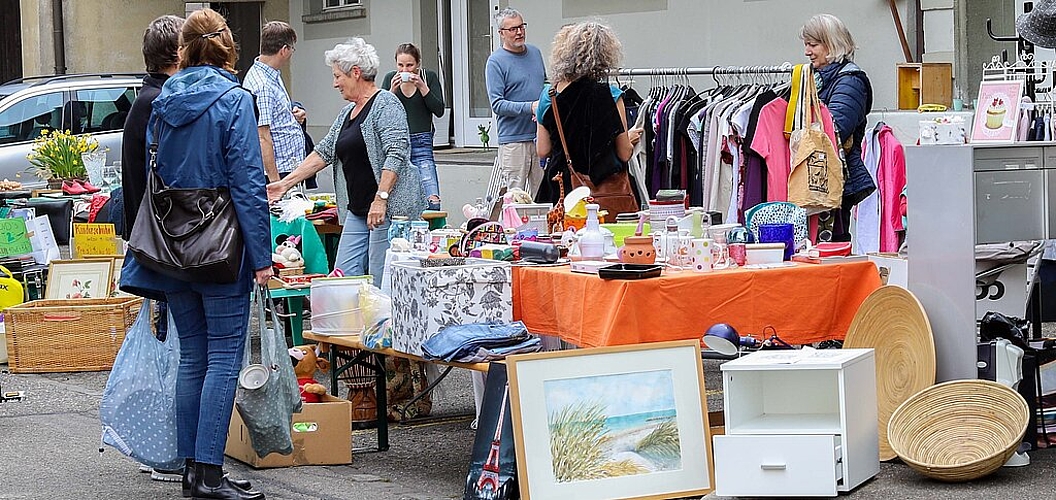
{"x": 13, "y": 237}
{"x": 94, "y": 239}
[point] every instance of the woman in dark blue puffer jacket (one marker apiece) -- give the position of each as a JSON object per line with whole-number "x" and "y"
{"x": 845, "y": 89}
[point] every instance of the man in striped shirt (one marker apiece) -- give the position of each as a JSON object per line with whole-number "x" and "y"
{"x": 281, "y": 137}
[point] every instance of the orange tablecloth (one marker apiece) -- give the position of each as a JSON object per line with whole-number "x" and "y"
{"x": 805, "y": 303}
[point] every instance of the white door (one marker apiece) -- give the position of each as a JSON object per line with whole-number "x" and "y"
{"x": 473, "y": 38}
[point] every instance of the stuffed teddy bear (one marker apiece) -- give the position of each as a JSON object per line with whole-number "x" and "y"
{"x": 286, "y": 254}
{"x": 305, "y": 363}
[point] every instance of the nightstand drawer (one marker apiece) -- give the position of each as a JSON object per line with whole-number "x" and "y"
{"x": 777, "y": 465}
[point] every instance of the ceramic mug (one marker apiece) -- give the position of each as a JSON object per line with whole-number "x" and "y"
{"x": 700, "y": 254}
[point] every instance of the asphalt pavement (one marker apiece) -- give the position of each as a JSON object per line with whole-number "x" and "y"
{"x": 49, "y": 449}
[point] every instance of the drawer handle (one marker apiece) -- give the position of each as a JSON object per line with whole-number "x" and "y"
{"x": 772, "y": 466}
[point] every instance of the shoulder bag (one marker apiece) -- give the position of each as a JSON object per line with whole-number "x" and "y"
{"x": 613, "y": 194}
{"x": 191, "y": 234}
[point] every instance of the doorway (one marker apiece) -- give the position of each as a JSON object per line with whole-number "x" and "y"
{"x": 245, "y": 20}
{"x": 472, "y": 41}
{"x": 10, "y": 41}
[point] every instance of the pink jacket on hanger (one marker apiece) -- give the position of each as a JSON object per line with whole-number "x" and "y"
{"x": 891, "y": 178}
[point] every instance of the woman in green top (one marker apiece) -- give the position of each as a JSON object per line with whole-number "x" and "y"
{"x": 420, "y": 92}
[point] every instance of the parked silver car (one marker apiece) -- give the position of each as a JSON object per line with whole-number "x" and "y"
{"x": 95, "y": 104}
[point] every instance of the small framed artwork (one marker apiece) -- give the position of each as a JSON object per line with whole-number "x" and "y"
{"x": 79, "y": 279}
{"x": 997, "y": 115}
{"x": 614, "y": 422}
{"x": 115, "y": 274}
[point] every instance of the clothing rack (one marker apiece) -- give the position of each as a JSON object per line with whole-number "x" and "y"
{"x": 714, "y": 70}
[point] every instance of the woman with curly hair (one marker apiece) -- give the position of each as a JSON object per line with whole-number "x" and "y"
{"x": 592, "y": 112}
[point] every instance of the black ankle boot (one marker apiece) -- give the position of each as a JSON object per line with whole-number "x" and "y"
{"x": 189, "y": 474}
{"x": 225, "y": 489}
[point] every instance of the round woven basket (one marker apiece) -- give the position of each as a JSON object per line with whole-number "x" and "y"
{"x": 960, "y": 430}
{"x": 892, "y": 321}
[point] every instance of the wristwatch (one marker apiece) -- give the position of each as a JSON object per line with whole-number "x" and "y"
{"x": 383, "y": 195}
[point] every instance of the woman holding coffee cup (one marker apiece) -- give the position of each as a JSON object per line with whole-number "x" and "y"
{"x": 422, "y": 96}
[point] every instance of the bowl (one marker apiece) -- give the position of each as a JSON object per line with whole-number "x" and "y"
{"x": 718, "y": 232}
{"x": 253, "y": 376}
{"x": 960, "y": 430}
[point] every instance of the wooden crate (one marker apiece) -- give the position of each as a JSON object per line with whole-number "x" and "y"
{"x": 924, "y": 83}
{"x": 68, "y": 335}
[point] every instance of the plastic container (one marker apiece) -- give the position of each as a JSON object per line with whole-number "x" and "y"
{"x": 335, "y": 305}
{"x": 764, "y": 253}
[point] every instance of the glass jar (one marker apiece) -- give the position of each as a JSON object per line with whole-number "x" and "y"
{"x": 420, "y": 236}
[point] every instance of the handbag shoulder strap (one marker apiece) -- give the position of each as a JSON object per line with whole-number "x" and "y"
{"x": 560, "y": 128}
{"x": 793, "y": 99}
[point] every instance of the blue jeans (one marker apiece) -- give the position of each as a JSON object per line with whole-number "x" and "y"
{"x": 212, "y": 331}
{"x": 361, "y": 250}
{"x": 422, "y": 157}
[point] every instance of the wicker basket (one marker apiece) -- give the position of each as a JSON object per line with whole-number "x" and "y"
{"x": 68, "y": 335}
{"x": 960, "y": 430}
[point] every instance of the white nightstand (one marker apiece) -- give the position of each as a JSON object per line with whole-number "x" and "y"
{"x": 798, "y": 423}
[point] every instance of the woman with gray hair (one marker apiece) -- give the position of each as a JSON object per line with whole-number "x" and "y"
{"x": 592, "y": 112}
{"x": 369, "y": 147}
{"x": 845, "y": 89}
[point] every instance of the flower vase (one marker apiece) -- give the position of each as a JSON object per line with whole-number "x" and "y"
{"x": 54, "y": 183}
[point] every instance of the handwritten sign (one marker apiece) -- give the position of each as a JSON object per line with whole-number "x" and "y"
{"x": 94, "y": 239}
{"x": 13, "y": 237}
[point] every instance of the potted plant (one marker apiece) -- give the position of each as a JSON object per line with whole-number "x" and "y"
{"x": 56, "y": 156}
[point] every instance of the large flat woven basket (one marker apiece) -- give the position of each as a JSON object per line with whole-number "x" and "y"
{"x": 960, "y": 430}
{"x": 68, "y": 335}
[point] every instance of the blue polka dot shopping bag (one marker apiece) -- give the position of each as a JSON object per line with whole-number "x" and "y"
{"x": 138, "y": 411}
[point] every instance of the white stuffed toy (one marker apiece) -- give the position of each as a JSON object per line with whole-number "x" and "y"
{"x": 287, "y": 255}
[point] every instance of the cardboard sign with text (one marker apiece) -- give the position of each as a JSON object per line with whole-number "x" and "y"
{"x": 14, "y": 239}
{"x": 94, "y": 239}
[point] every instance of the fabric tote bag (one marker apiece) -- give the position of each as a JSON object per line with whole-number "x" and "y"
{"x": 138, "y": 409}
{"x": 267, "y": 409}
{"x": 816, "y": 179}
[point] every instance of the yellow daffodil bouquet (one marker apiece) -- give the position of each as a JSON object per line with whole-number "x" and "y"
{"x": 57, "y": 154}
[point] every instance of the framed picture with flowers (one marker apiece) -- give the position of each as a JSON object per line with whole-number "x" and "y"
{"x": 79, "y": 279}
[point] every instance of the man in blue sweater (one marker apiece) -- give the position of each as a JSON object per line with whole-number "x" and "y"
{"x": 515, "y": 76}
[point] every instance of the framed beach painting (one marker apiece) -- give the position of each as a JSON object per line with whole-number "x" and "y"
{"x": 614, "y": 422}
{"x": 997, "y": 115}
{"x": 79, "y": 279}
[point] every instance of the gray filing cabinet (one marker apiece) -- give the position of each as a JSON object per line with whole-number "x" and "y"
{"x": 959, "y": 196}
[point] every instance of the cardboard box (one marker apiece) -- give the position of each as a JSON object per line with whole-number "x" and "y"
{"x": 322, "y": 435}
{"x": 426, "y": 299}
{"x": 894, "y": 269}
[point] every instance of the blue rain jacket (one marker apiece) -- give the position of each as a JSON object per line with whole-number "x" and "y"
{"x": 207, "y": 138}
{"x": 845, "y": 89}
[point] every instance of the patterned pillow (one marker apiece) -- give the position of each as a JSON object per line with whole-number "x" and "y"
{"x": 777, "y": 212}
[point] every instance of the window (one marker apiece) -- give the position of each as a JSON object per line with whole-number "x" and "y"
{"x": 337, "y": 4}
{"x": 101, "y": 110}
{"x": 26, "y": 119}
{"x": 321, "y": 11}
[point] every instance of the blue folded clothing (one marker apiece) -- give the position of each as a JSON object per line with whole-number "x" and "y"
{"x": 477, "y": 342}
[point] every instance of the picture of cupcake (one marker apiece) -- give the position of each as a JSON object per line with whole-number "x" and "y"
{"x": 995, "y": 114}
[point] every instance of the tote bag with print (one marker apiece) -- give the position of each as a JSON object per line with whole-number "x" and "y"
{"x": 816, "y": 179}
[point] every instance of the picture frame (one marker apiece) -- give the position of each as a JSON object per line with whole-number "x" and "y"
{"x": 626, "y": 422}
{"x": 79, "y": 279}
{"x": 997, "y": 114}
{"x": 117, "y": 262}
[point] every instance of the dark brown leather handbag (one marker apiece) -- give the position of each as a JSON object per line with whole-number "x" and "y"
{"x": 188, "y": 234}
{"x": 614, "y": 194}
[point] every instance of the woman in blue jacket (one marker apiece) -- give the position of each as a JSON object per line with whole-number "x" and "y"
{"x": 845, "y": 89}
{"x": 205, "y": 127}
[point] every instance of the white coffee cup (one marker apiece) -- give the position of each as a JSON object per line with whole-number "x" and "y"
{"x": 700, "y": 256}
{"x": 405, "y": 76}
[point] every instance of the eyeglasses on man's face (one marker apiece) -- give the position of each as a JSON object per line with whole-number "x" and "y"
{"x": 513, "y": 29}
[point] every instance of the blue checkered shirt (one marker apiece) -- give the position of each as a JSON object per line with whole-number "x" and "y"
{"x": 273, "y": 102}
